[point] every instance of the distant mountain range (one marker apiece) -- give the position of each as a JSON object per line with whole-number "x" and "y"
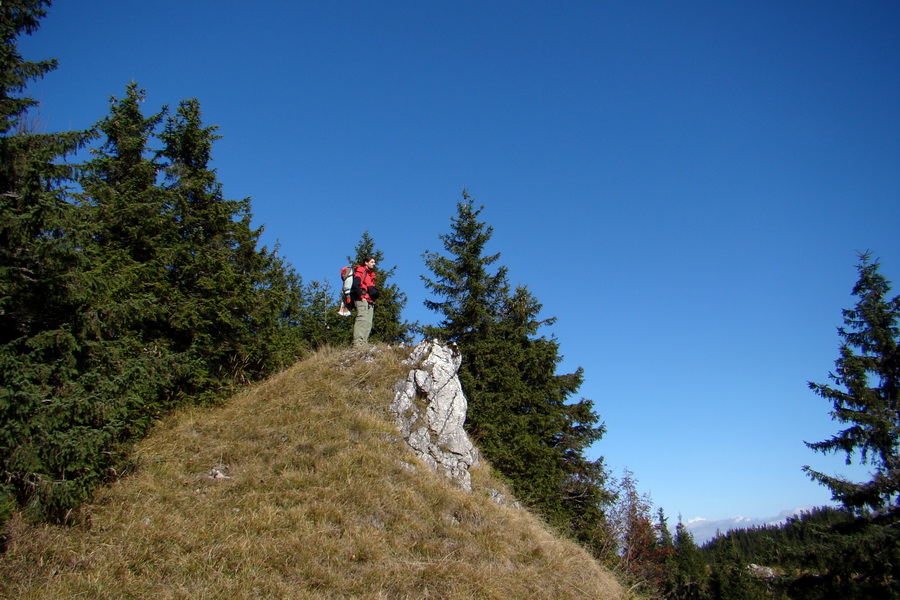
{"x": 704, "y": 530}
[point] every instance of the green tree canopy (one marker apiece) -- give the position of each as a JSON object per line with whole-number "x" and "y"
{"x": 232, "y": 307}
{"x": 40, "y": 282}
{"x": 866, "y": 396}
{"x": 142, "y": 289}
{"x": 468, "y": 294}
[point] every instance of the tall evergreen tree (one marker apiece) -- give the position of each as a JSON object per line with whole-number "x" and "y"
{"x": 527, "y": 422}
{"x": 666, "y": 542}
{"x": 215, "y": 273}
{"x": 40, "y": 264}
{"x": 113, "y": 380}
{"x": 35, "y": 253}
{"x": 118, "y": 301}
{"x": 868, "y": 546}
{"x": 469, "y": 295}
{"x": 688, "y": 573}
{"x": 200, "y": 283}
{"x": 869, "y": 409}
{"x": 126, "y": 212}
{"x": 519, "y": 408}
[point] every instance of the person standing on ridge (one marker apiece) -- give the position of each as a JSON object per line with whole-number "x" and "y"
{"x": 363, "y": 293}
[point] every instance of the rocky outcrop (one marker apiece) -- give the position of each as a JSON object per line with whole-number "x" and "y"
{"x": 429, "y": 408}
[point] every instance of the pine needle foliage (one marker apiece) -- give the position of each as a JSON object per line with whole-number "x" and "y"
{"x": 40, "y": 282}
{"x": 319, "y": 323}
{"x": 468, "y": 294}
{"x": 128, "y": 286}
{"x": 297, "y": 487}
{"x": 869, "y": 409}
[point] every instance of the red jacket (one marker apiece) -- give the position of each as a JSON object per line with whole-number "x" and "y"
{"x": 363, "y": 279}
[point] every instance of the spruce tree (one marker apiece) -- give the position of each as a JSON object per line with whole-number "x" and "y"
{"x": 36, "y": 255}
{"x": 121, "y": 300}
{"x": 688, "y": 575}
{"x": 215, "y": 272}
{"x": 520, "y": 410}
{"x": 40, "y": 282}
{"x": 469, "y": 294}
{"x": 527, "y": 421}
{"x": 113, "y": 381}
{"x": 319, "y": 323}
{"x": 200, "y": 282}
{"x": 866, "y": 400}
{"x": 866, "y": 397}
{"x": 126, "y": 212}
{"x": 271, "y": 338}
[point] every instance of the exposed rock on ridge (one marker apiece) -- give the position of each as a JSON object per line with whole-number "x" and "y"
{"x": 429, "y": 408}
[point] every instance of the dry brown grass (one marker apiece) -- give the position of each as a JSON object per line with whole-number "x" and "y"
{"x": 320, "y": 500}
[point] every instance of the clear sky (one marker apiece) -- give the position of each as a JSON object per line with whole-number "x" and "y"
{"x": 684, "y": 185}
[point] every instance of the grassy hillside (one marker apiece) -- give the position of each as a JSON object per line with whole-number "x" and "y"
{"x": 296, "y": 488}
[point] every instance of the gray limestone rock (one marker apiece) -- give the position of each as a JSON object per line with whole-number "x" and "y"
{"x": 429, "y": 408}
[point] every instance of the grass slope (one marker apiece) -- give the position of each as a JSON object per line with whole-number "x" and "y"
{"x": 316, "y": 497}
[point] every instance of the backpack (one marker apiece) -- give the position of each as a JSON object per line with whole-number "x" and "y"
{"x": 346, "y": 284}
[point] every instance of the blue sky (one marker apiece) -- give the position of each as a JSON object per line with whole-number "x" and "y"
{"x": 684, "y": 185}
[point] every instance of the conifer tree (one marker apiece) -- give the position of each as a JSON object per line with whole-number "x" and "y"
{"x": 117, "y": 301}
{"x": 469, "y": 295}
{"x": 215, "y": 273}
{"x": 730, "y": 579}
{"x": 866, "y": 400}
{"x": 112, "y": 382}
{"x": 666, "y": 542}
{"x": 40, "y": 262}
{"x": 319, "y": 323}
{"x": 688, "y": 574}
{"x": 519, "y": 408}
{"x": 35, "y": 255}
{"x": 126, "y": 213}
{"x": 201, "y": 284}
{"x": 527, "y": 422}
{"x": 869, "y": 409}
{"x": 271, "y": 338}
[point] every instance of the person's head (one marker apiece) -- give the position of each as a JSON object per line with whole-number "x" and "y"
{"x": 369, "y": 262}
